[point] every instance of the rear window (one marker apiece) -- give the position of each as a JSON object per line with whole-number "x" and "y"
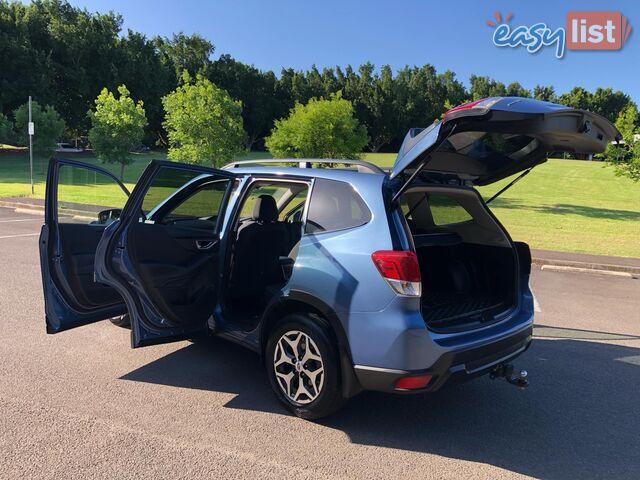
{"x": 445, "y": 210}
{"x": 484, "y": 146}
{"x": 334, "y": 206}
{"x": 433, "y": 210}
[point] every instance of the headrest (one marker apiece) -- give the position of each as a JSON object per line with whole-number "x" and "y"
{"x": 265, "y": 209}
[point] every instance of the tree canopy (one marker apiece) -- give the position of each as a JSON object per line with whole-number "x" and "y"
{"x": 64, "y": 56}
{"x": 203, "y": 123}
{"x": 320, "y": 129}
{"x": 48, "y": 127}
{"x": 6, "y": 129}
{"x": 626, "y": 155}
{"x": 117, "y": 127}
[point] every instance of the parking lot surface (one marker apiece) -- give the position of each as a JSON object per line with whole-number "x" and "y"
{"x": 82, "y": 404}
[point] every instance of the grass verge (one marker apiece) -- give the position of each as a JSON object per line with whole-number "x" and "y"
{"x": 563, "y": 205}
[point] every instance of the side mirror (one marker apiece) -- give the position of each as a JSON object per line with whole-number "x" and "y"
{"x": 106, "y": 216}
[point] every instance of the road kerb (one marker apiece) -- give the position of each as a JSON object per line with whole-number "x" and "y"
{"x": 564, "y": 268}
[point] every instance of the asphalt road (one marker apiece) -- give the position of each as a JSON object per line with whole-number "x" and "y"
{"x": 82, "y": 404}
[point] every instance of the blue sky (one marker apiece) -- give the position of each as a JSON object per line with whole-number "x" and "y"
{"x": 449, "y": 35}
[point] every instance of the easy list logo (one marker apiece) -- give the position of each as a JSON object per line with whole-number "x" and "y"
{"x": 583, "y": 31}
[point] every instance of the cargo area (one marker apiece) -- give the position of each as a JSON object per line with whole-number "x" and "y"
{"x": 467, "y": 263}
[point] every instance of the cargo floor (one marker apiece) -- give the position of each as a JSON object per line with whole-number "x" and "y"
{"x": 440, "y": 308}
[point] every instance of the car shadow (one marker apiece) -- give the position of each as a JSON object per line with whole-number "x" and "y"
{"x": 580, "y": 418}
{"x": 570, "y": 209}
{"x": 214, "y": 365}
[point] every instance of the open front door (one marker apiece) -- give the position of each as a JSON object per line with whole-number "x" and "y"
{"x": 164, "y": 255}
{"x": 81, "y": 201}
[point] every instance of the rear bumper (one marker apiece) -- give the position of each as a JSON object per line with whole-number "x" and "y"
{"x": 453, "y": 366}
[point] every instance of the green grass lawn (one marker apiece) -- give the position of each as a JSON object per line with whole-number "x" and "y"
{"x": 565, "y": 205}
{"x": 573, "y": 206}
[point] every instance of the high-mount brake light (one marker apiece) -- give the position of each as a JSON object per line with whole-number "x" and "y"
{"x": 401, "y": 270}
{"x": 483, "y": 103}
{"x": 464, "y": 106}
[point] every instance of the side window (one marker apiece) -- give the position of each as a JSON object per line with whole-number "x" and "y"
{"x": 445, "y": 210}
{"x": 202, "y": 204}
{"x": 287, "y": 197}
{"x": 179, "y": 196}
{"x": 335, "y": 206}
{"x": 276, "y": 190}
{"x": 88, "y": 197}
{"x": 294, "y": 207}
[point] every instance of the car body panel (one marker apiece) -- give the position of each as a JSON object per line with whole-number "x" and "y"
{"x": 552, "y": 127}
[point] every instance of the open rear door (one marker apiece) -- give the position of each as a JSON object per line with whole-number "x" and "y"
{"x": 81, "y": 201}
{"x": 485, "y": 141}
{"x": 164, "y": 255}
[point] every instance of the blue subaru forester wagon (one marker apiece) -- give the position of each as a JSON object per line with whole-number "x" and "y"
{"x": 343, "y": 279}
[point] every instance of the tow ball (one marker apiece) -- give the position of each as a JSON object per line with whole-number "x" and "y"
{"x": 505, "y": 370}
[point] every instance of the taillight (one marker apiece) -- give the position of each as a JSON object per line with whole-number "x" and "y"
{"x": 400, "y": 269}
{"x": 415, "y": 382}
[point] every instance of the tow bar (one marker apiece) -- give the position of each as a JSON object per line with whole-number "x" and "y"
{"x": 505, "y": 370}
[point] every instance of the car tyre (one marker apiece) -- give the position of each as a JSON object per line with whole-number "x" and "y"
{"x": 300, "y": 349}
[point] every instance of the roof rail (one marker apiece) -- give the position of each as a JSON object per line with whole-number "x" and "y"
{"x": 361, "y": 165}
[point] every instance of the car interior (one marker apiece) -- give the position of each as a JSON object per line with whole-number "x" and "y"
{"x": 174, "y": 246}
{"x": 467, "y": 263}
{"x": 270, "y": 217}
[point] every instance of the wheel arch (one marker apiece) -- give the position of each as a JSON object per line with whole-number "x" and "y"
{"x": 302, "y": 302}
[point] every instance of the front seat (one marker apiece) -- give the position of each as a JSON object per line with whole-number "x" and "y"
{"x": 260, "y": 242}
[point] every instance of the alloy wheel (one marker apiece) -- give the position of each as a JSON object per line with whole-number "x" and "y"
{"x": 298, "y": 367}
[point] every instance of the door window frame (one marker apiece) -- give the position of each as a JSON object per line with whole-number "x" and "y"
{"x": 51, "y": 194}
{"x": 253, "y": 179}
{"x": 136, "y": 199}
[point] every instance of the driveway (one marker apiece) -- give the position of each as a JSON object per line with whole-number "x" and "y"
{"x": 82, "y": 404}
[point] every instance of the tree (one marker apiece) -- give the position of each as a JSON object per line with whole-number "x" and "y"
{"x": 514, "y": 89}
{"x": 255, "y": 89}
{"x": 320, "y": 129}
{"x": 608, "y": 103}
{"x": 186, "y": 52}
{"x": 484, "y": 87}
{"x": 204, "y": 124}
{"x": 117, "y": 127}
{"x": 456, "y": 94}
{"x": 83, "y": 50}
{"x": 24, "y": 61}
{"x": 383, "y": 112}
{"x": 48, "y": 127}
{"x": 141, "y": 68}
{"x": 578, "y": 97}
{"x": 543, "y": 92}
{"x": 6, "y": 130}
{"x": 626, "y": 155}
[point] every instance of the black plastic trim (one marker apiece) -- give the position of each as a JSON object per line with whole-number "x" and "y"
{"x": 453, "y": 366}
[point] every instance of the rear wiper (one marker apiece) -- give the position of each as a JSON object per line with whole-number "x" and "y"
{"x": 511, "y": 184}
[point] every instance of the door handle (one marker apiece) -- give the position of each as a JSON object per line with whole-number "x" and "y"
{"x": 205, "y": 244}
